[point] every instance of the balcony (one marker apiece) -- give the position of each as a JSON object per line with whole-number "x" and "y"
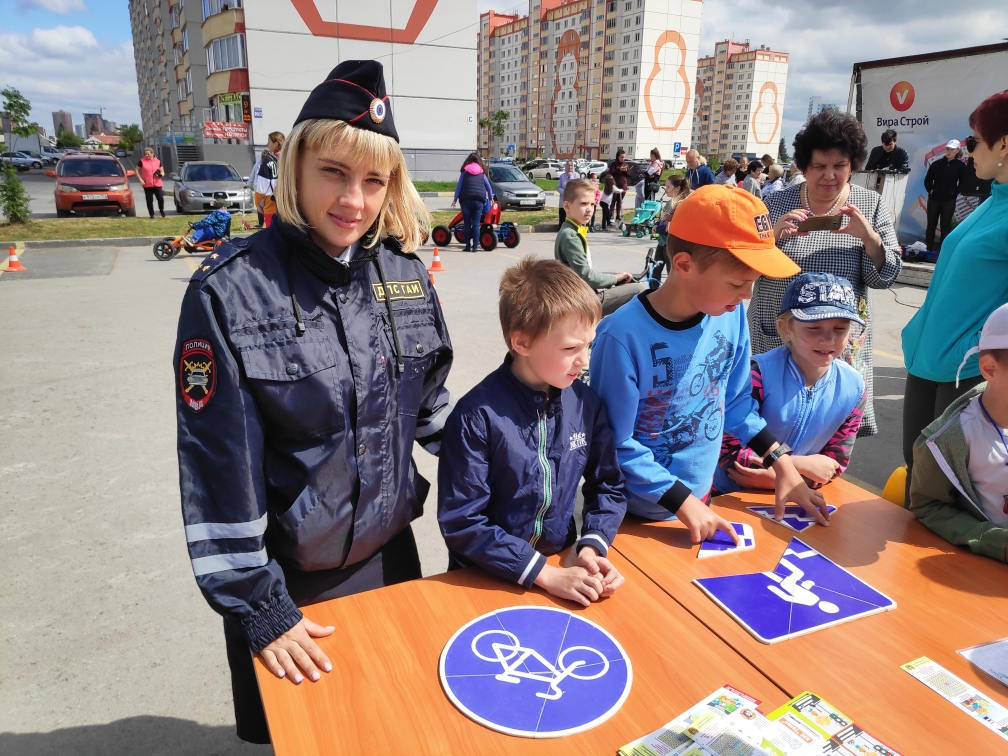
{"x": 231, "y": 21}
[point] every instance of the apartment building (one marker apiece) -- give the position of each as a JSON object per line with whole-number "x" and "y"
{"x": 586, "y": 78}
{"x": 192, "y": 78}
{"x": 817, "y": 106}
{"x": 64, "y": 119}
{"x": 739, "y": 103}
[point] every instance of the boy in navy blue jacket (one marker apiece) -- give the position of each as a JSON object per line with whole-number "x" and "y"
{"x": 517, "y": 445}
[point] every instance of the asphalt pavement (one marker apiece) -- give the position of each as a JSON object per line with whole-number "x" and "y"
{"x": 111, "y": 649}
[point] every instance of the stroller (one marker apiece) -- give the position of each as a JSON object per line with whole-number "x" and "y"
{"x": 645, "y": 218}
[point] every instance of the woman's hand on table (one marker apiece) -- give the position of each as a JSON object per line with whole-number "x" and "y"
{"x": 752, "y": 477}
{"x": 295, "y": 652}
{"x": 787, "y": 225}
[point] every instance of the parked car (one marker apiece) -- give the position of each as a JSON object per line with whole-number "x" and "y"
{"x": 547, "y": 169}
{"x": 37, "y": 159}
{"x": 678, "y": 163}
{"x": 638, "y": 170}
{"x": 200, "y": 184}
{"x": 513, "y": 189}
{"x": 53, "y": 153}
{"x": 92, "y": 182}
{"x": 16, "y": 159}
{"x": 584, "y": 167}
{"x": 120, "y": 153}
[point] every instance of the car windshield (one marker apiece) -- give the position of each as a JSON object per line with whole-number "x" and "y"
{"x": 506, "y": 173}
{"x": 210, "y": 173}
{"x": 98, "y": 167}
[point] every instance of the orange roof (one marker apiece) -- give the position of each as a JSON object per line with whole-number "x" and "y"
{"x": 108, "y": 138}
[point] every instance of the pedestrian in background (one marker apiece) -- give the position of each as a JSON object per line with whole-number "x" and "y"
{"x": 726, "y": 175}
{"x": 620, "y": 170}
{"x": 266, "y": 177}
{"x": 562, "y": 182}
{"x": 151, "y": 174}
{"x": 794, "y": 176}
{"x": 942, "y": 185}
{"x": 697, "y": 173}
{"x": 743, "y": 170}
{"x": 774, "y": 181}
{"x": 472, "y": 191}
{"x": 887, "y": 156}
{"x": 752, "y": 182}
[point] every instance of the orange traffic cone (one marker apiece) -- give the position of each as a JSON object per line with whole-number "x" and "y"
{"x": 436, "y": 265}
{"x": 431, "y": 276}
{"x": 13, "y": 265}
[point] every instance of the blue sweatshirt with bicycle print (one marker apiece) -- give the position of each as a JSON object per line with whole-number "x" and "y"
{"x": 670, "y": 389}
{"x": 510, "y": 464}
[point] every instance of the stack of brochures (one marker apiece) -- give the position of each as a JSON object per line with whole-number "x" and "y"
{"x": 727, "y": 722}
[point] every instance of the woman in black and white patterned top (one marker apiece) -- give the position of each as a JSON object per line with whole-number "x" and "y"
{"x": 864, "y": 250}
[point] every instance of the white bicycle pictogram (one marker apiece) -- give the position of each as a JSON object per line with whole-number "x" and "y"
{"x": 511, "y": 655}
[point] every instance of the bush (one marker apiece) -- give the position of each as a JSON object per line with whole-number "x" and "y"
{"x": 14, "y": 201}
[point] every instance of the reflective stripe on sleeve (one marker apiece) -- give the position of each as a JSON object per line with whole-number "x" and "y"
{"x": 532, "y": 563}
{"x": 428, "y": 426}
{"x": 594, "y": 537}
{"x": 211, "y": 531}
{"x": 221, "y": 562}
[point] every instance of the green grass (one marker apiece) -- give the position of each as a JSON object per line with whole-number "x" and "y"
{"x": 435, "y": 186}
{"x": 99, "y": 227}
{"x": 548, "y": 185}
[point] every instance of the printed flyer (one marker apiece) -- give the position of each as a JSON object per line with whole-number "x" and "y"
{"x": 727, "y": 722}
{"x": 967, "y": 698}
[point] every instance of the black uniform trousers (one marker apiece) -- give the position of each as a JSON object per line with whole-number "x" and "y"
{"x": 397, "y": 562}
{"x": 923, "y": 402}
{"x": 938, "y": 211}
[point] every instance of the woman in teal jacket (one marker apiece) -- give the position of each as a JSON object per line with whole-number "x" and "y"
{"x": 970, "y": 281}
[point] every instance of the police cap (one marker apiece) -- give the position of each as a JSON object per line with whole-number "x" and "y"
{"x": 354, "y": 92}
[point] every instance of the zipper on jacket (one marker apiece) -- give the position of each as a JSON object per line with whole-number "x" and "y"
{"x": 547, "y": 481}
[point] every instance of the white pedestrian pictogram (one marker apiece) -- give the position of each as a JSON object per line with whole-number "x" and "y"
{"x": 794, "y": 592}
{"x": 511, "y": 655}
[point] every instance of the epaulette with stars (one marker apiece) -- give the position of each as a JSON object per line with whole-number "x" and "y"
{"x": 220, "y": 257}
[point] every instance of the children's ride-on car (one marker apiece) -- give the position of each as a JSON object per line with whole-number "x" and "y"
{"x": 491, "y": 231}
{"x": 170, "y": 246}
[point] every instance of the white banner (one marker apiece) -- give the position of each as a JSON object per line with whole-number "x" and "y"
{"x": 927, "y": 104}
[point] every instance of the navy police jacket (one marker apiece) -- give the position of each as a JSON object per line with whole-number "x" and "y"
{"x": 301, "y": 384}
{"x": 511, "y": 460}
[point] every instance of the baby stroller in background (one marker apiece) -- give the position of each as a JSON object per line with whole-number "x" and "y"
{"x": 645, "y": 218}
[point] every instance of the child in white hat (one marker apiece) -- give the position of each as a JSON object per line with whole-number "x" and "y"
{"x": 959, "y": 487}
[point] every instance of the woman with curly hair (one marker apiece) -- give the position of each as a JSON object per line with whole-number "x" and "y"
{"x": 864, "y": 250}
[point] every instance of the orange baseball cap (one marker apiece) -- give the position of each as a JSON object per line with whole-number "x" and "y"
{"x": 733, "y": 219}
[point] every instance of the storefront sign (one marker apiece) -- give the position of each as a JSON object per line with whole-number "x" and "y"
{"x": 225, "y": 130}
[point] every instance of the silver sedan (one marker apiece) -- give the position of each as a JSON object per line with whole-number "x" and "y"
{"x": 200, "y": 185}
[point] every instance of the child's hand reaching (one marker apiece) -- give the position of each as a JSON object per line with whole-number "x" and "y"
{"x": 572, "y": 583}
{"x": 817, "y": 467}
{"x": 702, "y": 522}
{"x": 791, "y": 487}
{"x": 602, "y": 568}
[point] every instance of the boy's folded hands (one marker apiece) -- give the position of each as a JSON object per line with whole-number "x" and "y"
{"x": 590, "y": 578}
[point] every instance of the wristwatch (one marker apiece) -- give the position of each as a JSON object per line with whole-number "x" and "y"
{"x": 776, "y": 454}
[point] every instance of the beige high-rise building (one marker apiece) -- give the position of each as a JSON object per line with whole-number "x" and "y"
{"x": 585, "y": 78}
{"x": 739, "y": 104}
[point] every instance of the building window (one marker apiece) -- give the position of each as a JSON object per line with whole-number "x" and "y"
{"x": 226, "y": 53}
{"x": 188, "y": 78}
{"x": 185, "y": 40}
{"x": 210, "y": 7}
{"x": 178, "y": 55}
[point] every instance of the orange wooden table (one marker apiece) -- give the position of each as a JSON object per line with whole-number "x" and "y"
{"x": 947, "y": 599}
{"x": 384, "y": 694}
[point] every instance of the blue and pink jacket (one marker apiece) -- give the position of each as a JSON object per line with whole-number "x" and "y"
{"x": 823, "y": 419}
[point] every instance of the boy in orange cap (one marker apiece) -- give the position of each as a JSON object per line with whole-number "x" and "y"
{"x": 672, "y": 366}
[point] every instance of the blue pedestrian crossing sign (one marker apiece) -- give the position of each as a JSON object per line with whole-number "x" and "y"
{"x": 805, "y": 593}
{"x": 794, "y": 517}
{"x": 535, "y": 672}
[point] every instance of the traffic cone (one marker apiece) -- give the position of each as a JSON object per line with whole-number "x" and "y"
{"x": 431, "y": 276}
{"x": 13, "y": 266}
{"x": 436, "y": 265}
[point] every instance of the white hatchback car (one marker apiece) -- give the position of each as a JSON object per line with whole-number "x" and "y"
{"x": 543, "y": 169}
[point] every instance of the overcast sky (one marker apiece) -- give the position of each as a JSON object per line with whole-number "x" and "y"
{"x": 77, "y": 55}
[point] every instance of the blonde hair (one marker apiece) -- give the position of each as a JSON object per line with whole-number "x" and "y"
{"x": 277, "y": 137}
{"x": 403, "y": 216}
{"x": 776, "y": 171}
{"x": 536, "y": 293}
{"x": 784, "y": 322}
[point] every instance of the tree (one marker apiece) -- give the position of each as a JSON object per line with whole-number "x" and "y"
{"x": 782, "y": 153}
{"x": 494, "y": 126}
{"x": 67, "y": 139}
{"x": 130, "y": 135}
{"x": 14, "y": 200}
{"x": 18, "y": 110}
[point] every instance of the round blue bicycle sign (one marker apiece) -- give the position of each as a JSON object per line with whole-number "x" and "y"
{"x": 536, "y": 672}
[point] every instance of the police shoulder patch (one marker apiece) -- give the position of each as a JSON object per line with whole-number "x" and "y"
{"x": 197, "y": 373}
{"x": 222, "y": 255}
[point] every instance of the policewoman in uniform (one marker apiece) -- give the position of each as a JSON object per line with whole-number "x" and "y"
{"x": 309, "y": 358}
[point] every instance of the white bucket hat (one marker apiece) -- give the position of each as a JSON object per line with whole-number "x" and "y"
{"x": 993, "y": 336}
